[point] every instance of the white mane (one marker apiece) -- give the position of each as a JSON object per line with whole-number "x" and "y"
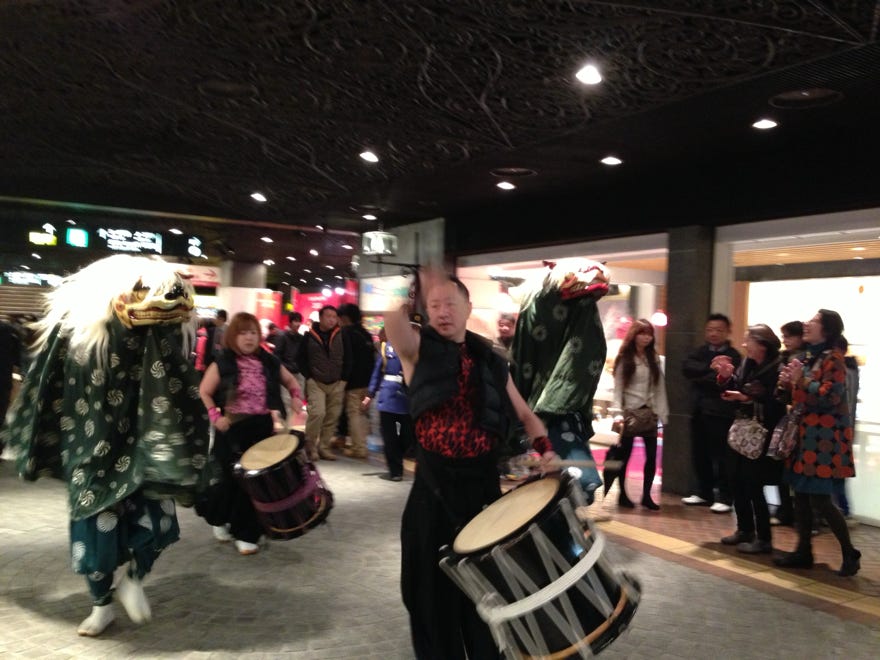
{"x": 551, "y": 277}
{"x": 82, "y": 303}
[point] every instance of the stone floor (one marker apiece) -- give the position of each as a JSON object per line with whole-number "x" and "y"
{"x": 333, "y": 593}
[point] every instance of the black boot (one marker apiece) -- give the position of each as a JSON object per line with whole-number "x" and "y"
{"x": 800, "y": 558}
{"x": 648, "y": 503}
{"x": 851, "y": 563}
{"x": 624, "y": 502}
{"x": 608, "y": 477}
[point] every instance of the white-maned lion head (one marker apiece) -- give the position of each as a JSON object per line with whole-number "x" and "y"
{"x": 138, "y": 290}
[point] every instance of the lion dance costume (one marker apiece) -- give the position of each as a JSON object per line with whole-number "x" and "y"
{"x": 111, "y": 406}
{"x": 559, "y": 353}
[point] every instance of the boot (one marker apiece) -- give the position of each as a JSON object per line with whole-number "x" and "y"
{"x": 648, "y": 503}
{"x": 623, "y": 501}
{"x": 851, "y": 563}
{"x": 608, "y": 477}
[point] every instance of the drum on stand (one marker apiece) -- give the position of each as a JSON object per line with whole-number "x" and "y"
{"x": 285, "y": 488}
{"x": 538, "y": 577}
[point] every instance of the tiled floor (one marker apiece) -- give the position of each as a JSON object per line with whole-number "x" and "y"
{"x": 691, "y": 535}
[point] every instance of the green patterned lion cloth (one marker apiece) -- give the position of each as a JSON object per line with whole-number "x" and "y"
{"x": 110, "y": 427}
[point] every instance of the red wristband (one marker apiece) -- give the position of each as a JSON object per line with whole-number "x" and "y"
{"x": 542, "y": 444}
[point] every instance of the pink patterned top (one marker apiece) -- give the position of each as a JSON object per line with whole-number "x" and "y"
{"x": 250, "y": 395}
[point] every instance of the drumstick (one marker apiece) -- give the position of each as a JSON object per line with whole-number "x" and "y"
{"x": 563, "y": 463}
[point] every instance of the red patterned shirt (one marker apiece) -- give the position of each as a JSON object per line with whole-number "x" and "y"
{"x": 451, "y": 429}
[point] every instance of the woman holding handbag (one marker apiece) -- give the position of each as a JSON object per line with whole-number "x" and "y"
{"x": 753, "y": 389}
{"x": 640, "y": 392}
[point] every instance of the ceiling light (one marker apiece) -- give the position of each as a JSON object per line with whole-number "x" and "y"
{"x": 329, "y": 267}
{"x": 611, "y": 160}
{"x": 286, "y": 283}
{"x": 511, "y": 172}
{"x": 286, "y": 272}
{"x": 258, "y": 197}
{"x": 175, "y": 231}
{"x": 589, "y": 75}
{"x": 319, "y": 227}
{"x": 36, "y": 256}
{"x": 858, "y": 258}
{"x": 70, "y": 221}
{"x": 268, "y": 262}
{"x": 368, "y": 216}
{"x": 505, "y": 185}
{"x": 313, "y": 252}
{"x": 266, "y": 239}
{"x": 812, "y": 97}
{"x": 307, "y": 270}
{"x": 290, "y": 258}
{"x": 338, "y": 277}
{"x": 369, "y": 156}
{"x": 302, "y": 280}
{"x": 346, "y": 246}
{"x": 858, "y": 249}
{"x": 26, "y": 267}
{"x": 319, "y": 279}
{"x": 764, "y": 124}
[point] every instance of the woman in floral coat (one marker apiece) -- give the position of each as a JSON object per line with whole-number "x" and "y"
{"x": 824, "y": 452}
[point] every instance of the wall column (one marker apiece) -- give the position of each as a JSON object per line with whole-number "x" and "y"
{"x": 688, "y": 298}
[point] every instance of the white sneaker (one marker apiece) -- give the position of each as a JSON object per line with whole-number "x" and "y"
{"x": 720, "y": 507}
{"x": 245, "y": 548}
{"x": 693, "y": 500}
{"x": 221, "y": 533}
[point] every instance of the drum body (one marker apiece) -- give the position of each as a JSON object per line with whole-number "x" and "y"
{"x": 542, "y": 584}
{"x": 285, "y": 488}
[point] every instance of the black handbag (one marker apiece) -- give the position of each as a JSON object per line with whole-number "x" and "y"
{"x": 638, "y": 421}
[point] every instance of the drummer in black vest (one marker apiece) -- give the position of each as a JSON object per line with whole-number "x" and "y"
{"x": 242, "y": 392}
{"x": 461, "y": 399}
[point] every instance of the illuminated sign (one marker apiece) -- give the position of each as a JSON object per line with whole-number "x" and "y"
{"x": 76, "y": 237}
{"x": 41, "y": 238}
{"x": 125, "y": 240}
{"x": 23, "y": 277}
{"x": 379, "y": 242}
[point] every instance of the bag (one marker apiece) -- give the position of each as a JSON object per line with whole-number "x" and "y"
{"x": 786, "y": 435}
{"x": 638, "y": 421}
{"x": 746, "y": 437}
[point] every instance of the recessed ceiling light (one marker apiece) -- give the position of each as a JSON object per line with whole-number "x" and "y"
{"x": 858, "y": 258}
{"x": 589, "y": 75}
{"x": 302, "y": 280}
{"x": 287, "y": 272}
{"x": 611, "y": 160}
{"x": 36, "y": 256}
{"x": 70, "y": 221}
{"x": 290, "y": 258}
{"x": 764, "y": 124}
{"x": 858, "y": 249}
{"x": 329, "y": 267}
{"x": 512, "y": 172}
{"x": 266, "y": 239}
{"x": 369, "y": 156}
{"x": 319, "y": 227}
{"x": 368, "y": 216}
{"x": 782, "y": 254}
{"x": 313, "y": 252}
{"x": 258, "y": 197}
{"x": 286, "y": 283}
{"x": 338, "y": 277}
{"x": 812, "y": 97}
{"x": 175, "y": 231}
{"x": 268, "y": 262}
{"x": 319, "y": 279}
{"x": 346, "y": 246}
{"x": 505, "y": 185}
{"x": 25, "y": 266}
{"x": 307, "y": 270}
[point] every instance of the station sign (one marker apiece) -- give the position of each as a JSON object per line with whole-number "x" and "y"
{"x": 126, "y": 240}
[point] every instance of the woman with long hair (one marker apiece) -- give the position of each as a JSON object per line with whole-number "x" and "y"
{"x": 823, "y": 454}
{"x": 639, "y": 383}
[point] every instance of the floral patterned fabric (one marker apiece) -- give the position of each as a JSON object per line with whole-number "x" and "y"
{"x": 824, "y": 452}
{"x": 108, "y": 430}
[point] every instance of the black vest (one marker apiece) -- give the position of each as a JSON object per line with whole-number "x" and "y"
{"x": 228, "y": 366}
{"x": 436, "y": 380}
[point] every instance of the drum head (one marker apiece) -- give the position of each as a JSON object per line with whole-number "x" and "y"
{"x": 511, "y": 512}
{"x": 270, "y": 451}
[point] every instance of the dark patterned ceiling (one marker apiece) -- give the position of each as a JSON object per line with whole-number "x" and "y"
{"x": 188, "y": 107}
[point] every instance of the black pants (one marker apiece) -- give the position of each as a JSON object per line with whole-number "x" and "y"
{"x": 446, "y": 494}
{"x": 398, "y": 434}
{"x": 708, "y": 447}
{"x": 650, "y": 462}
{"x": 746, "y": 478}
{"x": 228, "y": 447}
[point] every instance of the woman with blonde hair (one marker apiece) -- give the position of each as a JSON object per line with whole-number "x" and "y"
{"x": 638, "y": 385}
